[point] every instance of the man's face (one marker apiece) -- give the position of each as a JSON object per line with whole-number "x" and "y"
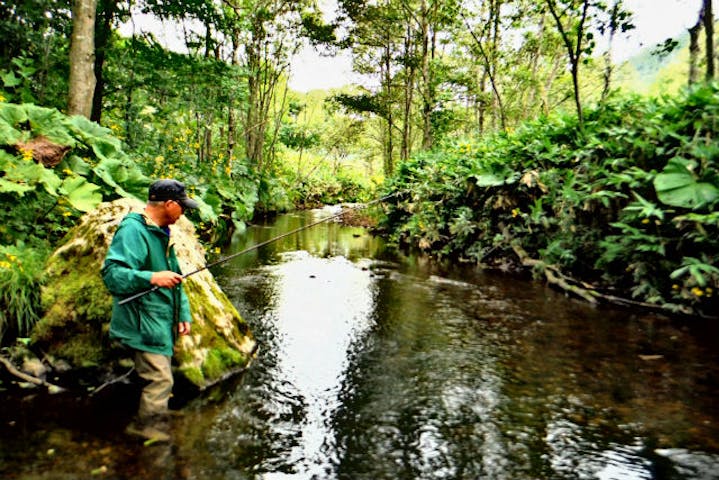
{"x": 173, "y": 211}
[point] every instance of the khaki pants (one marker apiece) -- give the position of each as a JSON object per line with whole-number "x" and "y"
{"x": 155, "y": 369}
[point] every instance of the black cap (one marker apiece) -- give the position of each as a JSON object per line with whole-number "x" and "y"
{"x": 168, "y": 189}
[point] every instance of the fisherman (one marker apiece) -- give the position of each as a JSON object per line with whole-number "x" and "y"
{"x": 142, "y": 257}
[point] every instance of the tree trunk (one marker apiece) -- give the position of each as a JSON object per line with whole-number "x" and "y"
{"x": 574, "y": 49}
{"x": 408, "y": 97}
{"x": 694, "y": 47}
{"x": 709, "y": 39}
{"x": 82, "y": 55}
{"x": 103, "y": 31}
{"x": 427, "y": 100}
{"x": 488, "y": 72}
{"x": 494, "y": 19}
{"x": 608, "y": 64}
{"x": 389, "y": 146}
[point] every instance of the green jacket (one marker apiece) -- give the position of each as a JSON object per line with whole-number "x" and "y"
{"x": 138, "y": 249}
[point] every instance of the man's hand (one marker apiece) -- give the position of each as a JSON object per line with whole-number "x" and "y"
{"x": 183, "y": 328}
{"x": 166, "y": 278}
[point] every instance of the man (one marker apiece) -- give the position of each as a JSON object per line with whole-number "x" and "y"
{"x": 141, "y": 257}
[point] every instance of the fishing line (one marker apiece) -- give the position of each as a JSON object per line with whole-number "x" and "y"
{"x": 262, "y": 244}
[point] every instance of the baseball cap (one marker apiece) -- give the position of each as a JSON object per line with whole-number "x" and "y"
{"x": 168, "y": 189}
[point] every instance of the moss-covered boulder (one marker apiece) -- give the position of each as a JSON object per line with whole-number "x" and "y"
{"x": 78, "y": 306}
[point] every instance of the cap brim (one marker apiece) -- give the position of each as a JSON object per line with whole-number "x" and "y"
{"x": 187, "y": 202}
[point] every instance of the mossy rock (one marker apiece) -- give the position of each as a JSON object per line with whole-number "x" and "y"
{"x": 78, "y": 307}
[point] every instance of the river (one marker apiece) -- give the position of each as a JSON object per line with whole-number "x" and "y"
{"x": 377, "y": 365}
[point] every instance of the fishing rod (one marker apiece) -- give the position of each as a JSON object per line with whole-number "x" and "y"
{"x": 260, "y": 245}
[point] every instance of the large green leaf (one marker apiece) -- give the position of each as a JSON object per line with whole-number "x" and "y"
{"x": 6, "y": 186}
{"x": 99, "y": 138}
{"x": 31, "y": 173}
{"x": 11, "y": 115}
{"x": 10, "y": 80}
{"x": 77, "y": 165}
{"x": 81, "y": 194}
{"x": 488, "y": 180}
{"x": 50, "y": 123}
{"x": 123, "y": 177}
{"x": 679, "y": 186}
{"x": 105, "y": 148}
{"x": 87, "y": 129}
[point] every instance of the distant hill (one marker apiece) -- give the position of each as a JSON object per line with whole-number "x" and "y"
{"x": 656, "y": 70}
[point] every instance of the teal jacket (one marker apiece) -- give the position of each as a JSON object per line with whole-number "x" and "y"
{"x": 138, "y": 249}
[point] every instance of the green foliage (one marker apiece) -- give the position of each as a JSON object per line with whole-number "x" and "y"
{"x": 20, "y": 283}
{"x": 679, "y": 186}
{"x": 629, "y": 206}
{"x": 90, "y": 166}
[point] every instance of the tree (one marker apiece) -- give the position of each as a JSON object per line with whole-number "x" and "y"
{"x": 268, "y": 32}
{"x": 570, "y": 17}
{"x": 709, "y": 39}
{"x": 82, "y": 58}
{"x": 375, "y": 32}
{"x": 619, "y": 20}
{"x": 489, "y": 60}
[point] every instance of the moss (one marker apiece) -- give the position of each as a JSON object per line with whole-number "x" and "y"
{"x": 193, "y": 374}
{"x": 220, "y": 361}
{"x": 82, "y": 351}
{"x": 77, "y": 307}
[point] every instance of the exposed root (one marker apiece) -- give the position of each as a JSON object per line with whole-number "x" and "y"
{"x": 579, "y": 289}
{"x": 121, "y": 378}
{"x": 555, "y": 277}
{"x": 52, "y": 388}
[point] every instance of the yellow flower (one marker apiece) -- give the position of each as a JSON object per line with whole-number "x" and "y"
{"x": 228, "y": 170}
{"x": 515, "y": 212}
{"x": 66, "y": 213}
{"x": 698, "y": 292}
{"x": 645, "y": 221}
{"x": 675, "y": 287}
{"x": 67, "y": 171}
{"x": 4, "y": 264}
{"x": 2, "y": 98}
{"x": 216, "y": 250}
{"x": 11, "y": 257}
{"x": 26, "y": 154}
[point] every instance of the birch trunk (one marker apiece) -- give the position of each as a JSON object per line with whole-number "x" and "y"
{"x": 82, "y": 58}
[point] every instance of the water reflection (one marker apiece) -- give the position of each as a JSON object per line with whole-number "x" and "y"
{"x": 412, "y": 370}
{"x": 380, "y": 367}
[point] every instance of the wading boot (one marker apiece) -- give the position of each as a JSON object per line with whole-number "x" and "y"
{"x": 152, "y": 429}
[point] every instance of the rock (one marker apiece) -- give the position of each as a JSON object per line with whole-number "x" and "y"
{"x": 78, "y": 306}
{"x": 34, "y": 367}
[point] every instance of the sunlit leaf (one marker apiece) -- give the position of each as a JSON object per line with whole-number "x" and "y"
{"x": 49, "y": 123}
{"x": 679, "y": 186}
{"x": 81, "y": 194}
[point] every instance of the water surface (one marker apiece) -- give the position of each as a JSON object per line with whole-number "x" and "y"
{"x": 378, "y": 366}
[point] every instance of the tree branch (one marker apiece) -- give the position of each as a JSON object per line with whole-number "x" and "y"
{"x": 29, "y": 378}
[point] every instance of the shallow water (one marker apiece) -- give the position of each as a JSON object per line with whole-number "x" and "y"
{"x": 375, "y": 366}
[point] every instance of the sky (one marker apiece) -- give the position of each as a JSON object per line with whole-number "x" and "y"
{"x": 654, "y": 20}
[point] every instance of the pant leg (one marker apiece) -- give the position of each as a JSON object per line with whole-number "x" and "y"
{"x": 157, "y": 371}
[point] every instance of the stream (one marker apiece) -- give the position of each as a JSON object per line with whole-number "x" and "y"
{"x": 379, "y": 365}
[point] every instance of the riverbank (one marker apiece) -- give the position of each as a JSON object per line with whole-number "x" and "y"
{"x": 624, "y": 210}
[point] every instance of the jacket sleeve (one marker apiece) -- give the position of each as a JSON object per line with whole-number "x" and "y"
{"x": 185, "y": 315}
{"x": 122, "y": 271}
